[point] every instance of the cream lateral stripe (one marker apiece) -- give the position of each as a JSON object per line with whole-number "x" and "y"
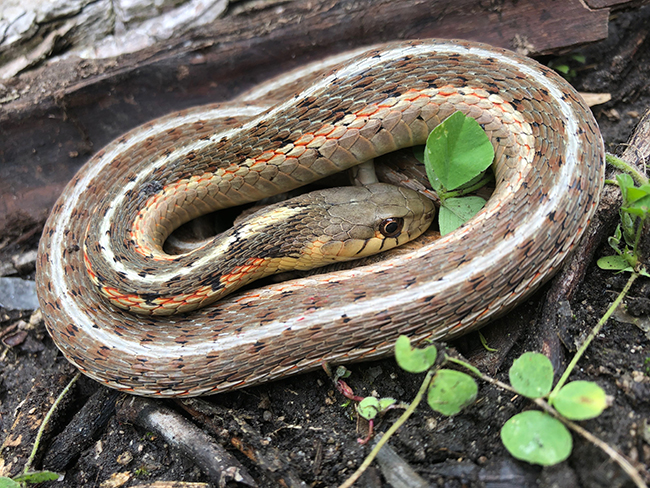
{"x": 270, "y": 330}
{"x": 135, "y": 275}
{"x": 105, "y": 225}
{"x": 78, "y": 316}
{"x": 257, "y": 225}
{"x": 267, "y": 87}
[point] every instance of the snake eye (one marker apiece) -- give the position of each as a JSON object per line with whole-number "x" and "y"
{"x": 391, "y": 227}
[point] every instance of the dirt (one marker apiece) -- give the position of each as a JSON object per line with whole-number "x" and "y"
{"x": 315, "y": 431}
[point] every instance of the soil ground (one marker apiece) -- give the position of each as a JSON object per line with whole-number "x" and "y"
{"x": 305, "y": 420}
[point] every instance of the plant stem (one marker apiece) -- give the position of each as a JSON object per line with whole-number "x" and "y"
{"x": 46, "y": 420}
{"x": 487, "y": 177}
{"x": 384, "y": 439}
{"x": 637, "y": 238}
{"x": 595, "y": 331}
{"x": 484, "y": 342}
{"x": 473, "y": 369}
{"x": 614, "y": 455}
{"x": 619, "y": 164}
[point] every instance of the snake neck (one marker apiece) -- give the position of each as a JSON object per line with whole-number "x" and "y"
{"x": 306, "y": 232}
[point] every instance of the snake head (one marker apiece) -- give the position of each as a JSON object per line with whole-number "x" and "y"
{"x": 359, "y": 221}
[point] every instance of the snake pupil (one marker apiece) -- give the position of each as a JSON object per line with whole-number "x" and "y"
{"x": 391, "y": 227}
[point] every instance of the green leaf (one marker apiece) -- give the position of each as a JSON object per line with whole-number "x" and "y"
{"x": 368, "y": 408}
{"x": 414, "y": 360}
{"x": 615, "y": 240}
{"x": 38, "y": 477}
{"x": 484, "y": 342}
{"x": 450, "y": 391}
{"x": 474, "y": 181}
{"x": 642, "y": 203}
{"x": 614, "y": 263}
{"x": 562, "y": 68}
{"x": 625, "y": 181}
{"x": 537, "y": 438}
{"x": 628, "y": 222}
{"x": 580, "y": 400}
{"x": 457, "y": 150}
{"x": 531, "y": 375}
{"x": 384, "y": 403}
{"x": 628, "y": 216}
{"x": 580, "y": 58}
{"x": 8, "y": 483}
{"x": 634, "y": 194}
{"x": 454, "y": 212}
{"x": 342, "y": 372}
{"x": 418, "y": 153}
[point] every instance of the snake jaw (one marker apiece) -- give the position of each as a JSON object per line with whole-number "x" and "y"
{"x": 306, "y": 232}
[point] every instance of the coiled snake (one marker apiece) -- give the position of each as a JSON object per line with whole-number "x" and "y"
{"x": 549, "y": 171}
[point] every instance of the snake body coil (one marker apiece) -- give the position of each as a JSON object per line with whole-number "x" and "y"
{"x": 549, "y": 170}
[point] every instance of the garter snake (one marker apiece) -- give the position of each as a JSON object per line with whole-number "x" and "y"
{"x": 549, "y": 171}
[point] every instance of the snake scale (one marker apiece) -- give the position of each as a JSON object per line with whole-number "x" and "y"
{"x": 549, "y": 171}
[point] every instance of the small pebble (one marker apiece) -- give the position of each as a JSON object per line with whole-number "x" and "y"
{"x": 7, "y": 269}
{"x": 26, "y": 262}
{"x": 18, "y": 294}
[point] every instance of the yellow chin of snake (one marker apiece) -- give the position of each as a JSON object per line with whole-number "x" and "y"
{"x": 303, "y": 233}
{"x": 356, "y": 222}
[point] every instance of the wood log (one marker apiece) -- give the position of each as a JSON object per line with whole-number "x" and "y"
{"x": 53, "y": 118}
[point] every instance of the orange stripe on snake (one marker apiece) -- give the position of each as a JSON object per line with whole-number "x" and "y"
{"x": 549, "y": 170}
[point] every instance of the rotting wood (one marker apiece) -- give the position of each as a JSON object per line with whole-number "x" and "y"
{"x": 56, "y": 116}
